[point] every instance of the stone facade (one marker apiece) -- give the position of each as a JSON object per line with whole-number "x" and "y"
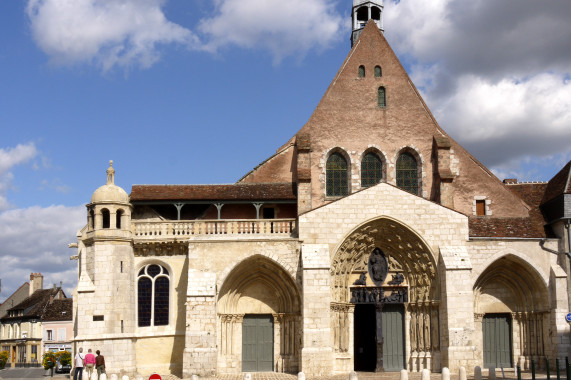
{"x": 280, "y": 273}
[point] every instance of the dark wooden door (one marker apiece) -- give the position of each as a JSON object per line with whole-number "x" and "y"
{"x": 257, "y": 343}
{"x": 393, "y": 338}
{"x": 496, "y": 329}
{"x": 365, "y": 345}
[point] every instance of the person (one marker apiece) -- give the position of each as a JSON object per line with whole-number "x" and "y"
{"x": 99, "y": 364}
{"x": 89, "y": 363}
{"x": 78, "y": 362}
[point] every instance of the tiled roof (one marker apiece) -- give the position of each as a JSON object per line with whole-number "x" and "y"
{"x": 238, "y": 191}
{"x": 505, "y": 227}
{"x": 59, "y": 310}
{"x": 35, "y": 305}
{"x": 559, "y": 184}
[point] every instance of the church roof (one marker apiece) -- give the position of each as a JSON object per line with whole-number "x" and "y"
{"x": 237, "y": 191}
{"x": 559, "y": 184}
{"x": 506, "y": 227}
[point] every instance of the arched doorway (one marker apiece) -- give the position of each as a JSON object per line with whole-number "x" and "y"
{"x": 511, "y": 306}
{"x": 259, "y": 311}
{"x": 407, "y": 298}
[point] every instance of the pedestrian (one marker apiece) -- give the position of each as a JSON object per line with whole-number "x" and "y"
{"x": 78, "y": 362}
{"x": 99, "y": 364}
{"x": 89, "y": 363}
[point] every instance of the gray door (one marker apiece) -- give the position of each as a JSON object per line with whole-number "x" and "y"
{"x": 496, "y": 329}
{"x": 393, "y": 337}
{"x": 257, "y": 343}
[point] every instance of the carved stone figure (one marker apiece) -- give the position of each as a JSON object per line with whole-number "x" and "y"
{"x": 378, "y": 267}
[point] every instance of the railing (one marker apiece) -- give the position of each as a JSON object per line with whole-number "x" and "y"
{"x": 174, "y": 229}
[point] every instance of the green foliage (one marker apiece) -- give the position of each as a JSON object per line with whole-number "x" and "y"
{"x": 49, "y": 360}
{"x": 64, "y": 357}
{"x": 3, "y": 358}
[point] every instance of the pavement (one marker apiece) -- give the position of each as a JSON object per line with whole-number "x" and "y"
{"x": 41, "y": 374}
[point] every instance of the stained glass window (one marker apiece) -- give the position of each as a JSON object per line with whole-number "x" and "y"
{"x": 336, "y": 176}
{"x": 378, "y": 72}
{"x": 161, "y": 301}
{"x": 371, "y": 170}
{"x": 153, "y": 286}
{"x": 145, "y": 286}
{"x": 407, "y": 173}
{"x": 382, "y": 97}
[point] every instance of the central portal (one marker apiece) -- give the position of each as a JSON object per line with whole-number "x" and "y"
{"x": 365, "y": 334}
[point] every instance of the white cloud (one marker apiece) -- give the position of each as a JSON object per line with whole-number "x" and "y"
{"x": 496, "y": 74}
{"x": 35, "y": 240}
{"x": 282, "y": 27}
{"x": 9, "y": 158}
{"x": 106, "y": 33}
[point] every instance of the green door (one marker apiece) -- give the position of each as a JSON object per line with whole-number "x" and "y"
{"x": 257, "y": 343}
{"x": 393, "y": 338}
{"x": 496, "y": 329}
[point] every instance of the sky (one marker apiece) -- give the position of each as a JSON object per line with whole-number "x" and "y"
{"x": 202, "y": 91}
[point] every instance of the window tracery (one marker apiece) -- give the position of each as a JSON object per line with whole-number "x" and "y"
{"x": 153, "y": 283}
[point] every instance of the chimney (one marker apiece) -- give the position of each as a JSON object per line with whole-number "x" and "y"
{"x": 36, "y": 282}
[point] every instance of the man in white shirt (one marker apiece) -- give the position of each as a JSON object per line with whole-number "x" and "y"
{"x": 78, "y": 363}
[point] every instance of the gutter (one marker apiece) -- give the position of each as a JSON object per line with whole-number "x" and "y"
{"x": 568, "y": 252}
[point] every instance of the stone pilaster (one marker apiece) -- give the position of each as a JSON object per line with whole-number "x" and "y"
{"x": 317, "y": 352}
{"x": 200, "y": 351}
{"x": 457, "y": 316}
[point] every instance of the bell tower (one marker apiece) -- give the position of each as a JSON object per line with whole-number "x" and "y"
{"x": 363, "y": 11}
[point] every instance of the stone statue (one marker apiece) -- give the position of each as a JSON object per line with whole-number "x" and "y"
{"x": 110, "y": 174}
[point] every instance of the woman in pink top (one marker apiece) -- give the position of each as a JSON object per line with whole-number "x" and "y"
{"x": 89, "y": 363}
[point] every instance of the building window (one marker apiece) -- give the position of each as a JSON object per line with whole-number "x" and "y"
{"x": 336, "y": 176}
{"x": 49, "y": 335}
{"x": 407, "y": 173}
{"x": 118, "y": 216}
{"x": 378, "y": 72}
{"x": 480, "y": 207}
{"x": 361, "y": 71}
{"x": 371, "y": 170}
{"x": 153, "y": 296}
{"x": 106, "y": 218}
{"x": 382, "y": 98}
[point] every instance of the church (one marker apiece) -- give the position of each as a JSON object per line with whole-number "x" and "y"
{"x": 370, "y": 241}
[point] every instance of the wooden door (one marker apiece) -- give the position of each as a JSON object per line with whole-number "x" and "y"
{"x": 496, "y": 329}
{"x": 393, "y": 337}
{"x": 257, "y": 343}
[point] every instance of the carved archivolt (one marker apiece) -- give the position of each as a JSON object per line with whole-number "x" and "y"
{"x": 406, "y": 254}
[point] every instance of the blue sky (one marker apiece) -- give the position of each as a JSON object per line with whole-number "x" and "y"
{"x": 202, "y": 91}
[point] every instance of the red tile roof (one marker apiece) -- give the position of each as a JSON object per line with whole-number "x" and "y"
{"x": 505, "y": 227}
{"x": 233, "y": 192}
{"x": 530, "y": 227}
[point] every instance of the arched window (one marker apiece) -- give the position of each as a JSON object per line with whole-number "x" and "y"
{"x": 153, "y": 296}
{"x": 382, "y": 97}
{"x": 378, "y": 72}
{"x": 361, "y": 71}
{"x": 105, "y": 215}
{"x": 336, "y": 176}
{"x": 371, "y": 170}
{"x": 407, "y": 173}
{"x": 92, "y": 217}
{"x": 118, "y": 219}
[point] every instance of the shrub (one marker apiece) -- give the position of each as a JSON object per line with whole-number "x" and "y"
{"x": 4, "y": 355}
{"x": 49, "y": 360}
{"x": 64, "y": 357}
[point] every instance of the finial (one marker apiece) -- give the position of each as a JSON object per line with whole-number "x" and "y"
{"x": 110, "y": 174}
